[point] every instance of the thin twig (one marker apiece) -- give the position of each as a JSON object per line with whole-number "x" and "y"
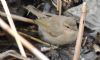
{"x": 35, "y": 39}
{"x": 24, "y": 41}
{"x": 10, "y": 20}
{"x": 80, "y": 33}
{"x": 54, "y": 3}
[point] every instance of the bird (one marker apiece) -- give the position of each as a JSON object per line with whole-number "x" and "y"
{"x": 58, "y": 30}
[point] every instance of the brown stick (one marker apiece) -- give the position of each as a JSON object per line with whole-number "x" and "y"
{"x": 80, "y": 33}
{"x": 10, "y": 20}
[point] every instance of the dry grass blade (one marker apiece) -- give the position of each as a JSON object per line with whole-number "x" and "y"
{"x": 35, "y": 39}
{"x": 10, "y": 20}
{"x": 33, "y": 10}
{"x": 24, "y": 41}
{"x": 18, "y": 18}
{"x": 80, "y": 33}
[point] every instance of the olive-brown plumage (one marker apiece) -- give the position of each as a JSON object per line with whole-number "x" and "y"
{"x": 58, "y": 30}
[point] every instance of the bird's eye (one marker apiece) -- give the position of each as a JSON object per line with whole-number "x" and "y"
{"x": 67, "y": 26}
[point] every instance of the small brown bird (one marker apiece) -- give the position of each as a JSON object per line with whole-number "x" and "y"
{"x": 58, "y": 30}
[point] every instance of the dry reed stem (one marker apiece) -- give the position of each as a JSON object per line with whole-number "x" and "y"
{"x": 18, "y": 18}
{"x": 10, "y": 20}
{"x": 24, "y": 41}
{"x": 80, "y": 33}
{"x": 59, "y": 6}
